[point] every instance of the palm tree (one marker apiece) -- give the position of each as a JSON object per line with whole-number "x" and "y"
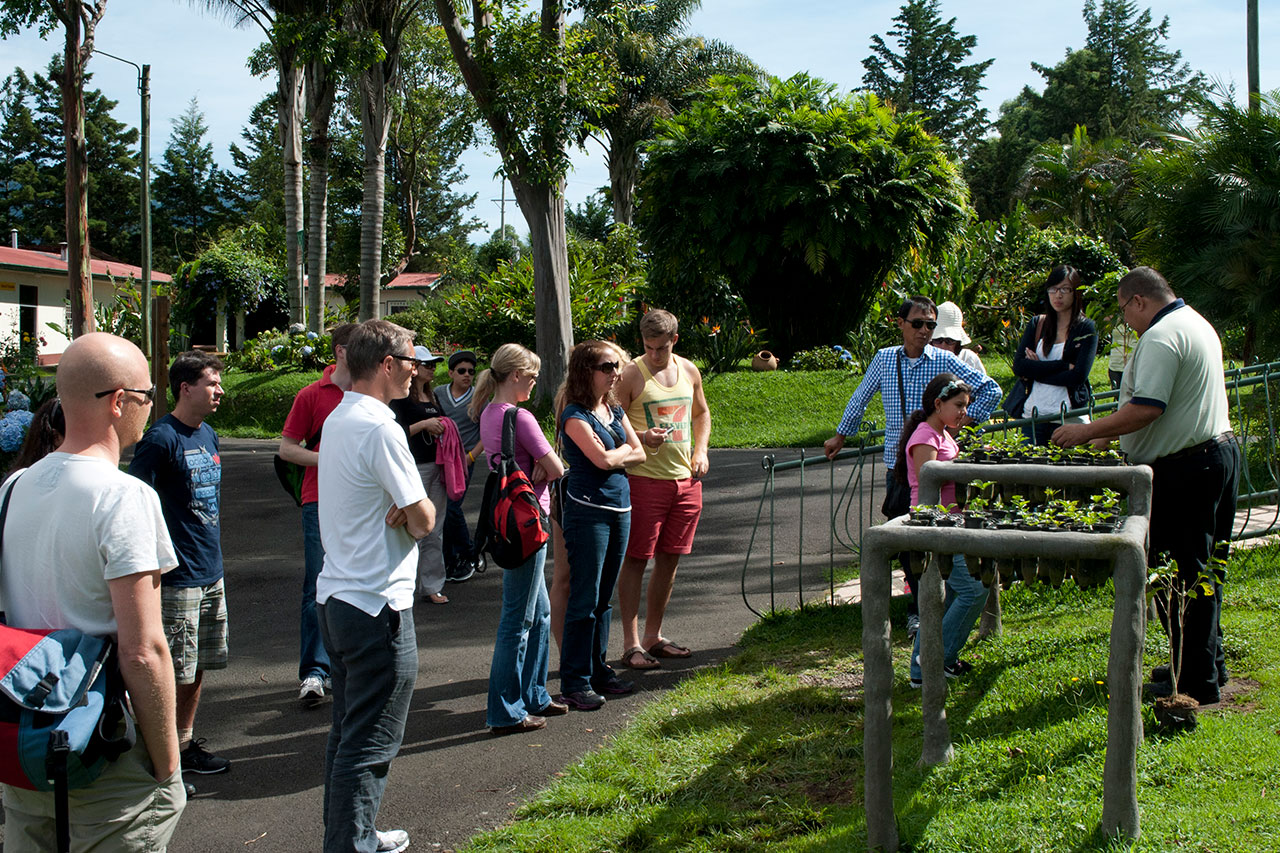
{"x": 269, "y": 16}
{"x": 1207, "y": 204}
{"x": 658, "y": 68}
{"x": 388, "y": 20}
{"x": 1084, "y": 183}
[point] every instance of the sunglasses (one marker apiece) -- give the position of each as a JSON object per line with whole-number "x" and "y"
{"x": 464, "y": 371}
{"x": 918, "y": 323}
{"x": 149, "y": 393}
{"x": 407, "y": 358}
{"x": 607, "y": 367}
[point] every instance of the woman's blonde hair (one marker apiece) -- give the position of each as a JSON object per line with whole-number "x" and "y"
{"x": 508, "y": 359}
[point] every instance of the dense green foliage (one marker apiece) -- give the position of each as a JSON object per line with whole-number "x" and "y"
{"x": 233, "y": 269}
{"x": 33, "y": 166}
{"x": 186, "y": 192}
{"x": 929, "y": 74}
{"x": 1123, "y": 82}
{"x": 1208, "y": 204}
{"x": 799, "y": 198}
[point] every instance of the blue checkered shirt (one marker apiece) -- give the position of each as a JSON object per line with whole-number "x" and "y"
{"x": 882, "y": 376}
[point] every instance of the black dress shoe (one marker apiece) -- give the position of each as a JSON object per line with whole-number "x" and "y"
{"x": 530, "y": 723}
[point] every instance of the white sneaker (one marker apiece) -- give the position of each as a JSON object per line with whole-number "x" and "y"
{"x": 312, "y": 692}
{"x": 392, "y": 841}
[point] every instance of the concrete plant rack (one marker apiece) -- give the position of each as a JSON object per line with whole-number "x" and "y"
{"x": 1126, "y": 549}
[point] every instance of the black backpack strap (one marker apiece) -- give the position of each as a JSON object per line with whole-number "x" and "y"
{"x": 509, "y": 432}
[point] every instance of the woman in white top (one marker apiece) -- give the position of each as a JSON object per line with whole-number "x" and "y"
{"x": 1055, "y": 356}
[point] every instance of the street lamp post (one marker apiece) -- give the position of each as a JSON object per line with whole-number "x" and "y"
{"x": 144, "y": 94}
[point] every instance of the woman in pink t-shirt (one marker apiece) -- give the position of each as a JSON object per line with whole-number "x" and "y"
{"x": 925, "y": 437}
{"x": 518, "y": 698}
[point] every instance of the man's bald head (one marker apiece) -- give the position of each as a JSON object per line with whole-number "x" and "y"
{"x": 98, "y": 362}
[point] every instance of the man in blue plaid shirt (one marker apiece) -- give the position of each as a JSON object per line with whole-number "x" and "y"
{"x": 920, "y": 363}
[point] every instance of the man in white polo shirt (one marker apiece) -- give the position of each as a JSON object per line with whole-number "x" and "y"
{"x": 1173, "y": 417}
{"x": 373, "y": 509}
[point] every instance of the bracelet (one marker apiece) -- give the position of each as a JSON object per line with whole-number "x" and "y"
{"x": 470, "y": 457}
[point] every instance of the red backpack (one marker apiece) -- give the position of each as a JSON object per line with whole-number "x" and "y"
{"x": 512, "y": 523}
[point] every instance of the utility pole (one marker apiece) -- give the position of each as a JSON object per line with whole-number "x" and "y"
{"x": 502, "y": 213}
{"x": 1255, "y": 99}
{"x": 144, "y": 94}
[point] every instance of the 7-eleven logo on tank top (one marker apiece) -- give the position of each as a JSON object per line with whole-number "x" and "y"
{"x": 672, "y": 415}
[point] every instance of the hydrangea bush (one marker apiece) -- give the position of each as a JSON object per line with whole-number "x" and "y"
{"x": 834, "y": 357}
{"x": 291, "y": 349}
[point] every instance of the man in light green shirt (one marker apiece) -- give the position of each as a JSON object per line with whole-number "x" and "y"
{"x": 1173, "y": 417}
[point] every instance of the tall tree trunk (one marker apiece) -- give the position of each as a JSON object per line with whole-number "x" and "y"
{"x": 375, "y": 122}
{"x": 624, "y": 164}
{"x": 320, "y": 85}
{"x": 290, "y": 90}
{"x": 79, "y": 273}
{"x": 543, "y": 209}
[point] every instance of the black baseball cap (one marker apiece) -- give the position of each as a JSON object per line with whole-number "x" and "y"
{"x": 461, "y": 356}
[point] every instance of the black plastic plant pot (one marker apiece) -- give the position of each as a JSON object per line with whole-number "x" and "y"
{"x": 921, "y": 518}
{"x": 947, "y": 520}
{"x": 974, "y": 520}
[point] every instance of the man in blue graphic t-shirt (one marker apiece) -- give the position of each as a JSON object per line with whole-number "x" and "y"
{"x": 178, "y": 457}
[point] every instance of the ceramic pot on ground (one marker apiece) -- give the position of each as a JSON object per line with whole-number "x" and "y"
{"x": 764, "y": 360}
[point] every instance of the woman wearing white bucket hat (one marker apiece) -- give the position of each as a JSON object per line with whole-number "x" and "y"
{"x": 950, "y": 336}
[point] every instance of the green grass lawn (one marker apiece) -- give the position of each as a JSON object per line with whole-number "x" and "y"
{"x": 765, "y": 752}
{"x": 801, "y": 409}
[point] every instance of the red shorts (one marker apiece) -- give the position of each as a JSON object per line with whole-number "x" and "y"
{"x": 664, "y": 515}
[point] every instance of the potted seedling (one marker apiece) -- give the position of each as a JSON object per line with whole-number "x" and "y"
{"x": 1177, "y": 712}
{"x": 975, "y": 513}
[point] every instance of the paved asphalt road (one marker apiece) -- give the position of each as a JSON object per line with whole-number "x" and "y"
{"x": 452, "y": 778}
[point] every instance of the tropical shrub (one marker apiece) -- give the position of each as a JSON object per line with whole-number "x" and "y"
{"x": 293, "y": 349}
{"x": 799, "y": 199}
{"x": 833, "y": 357}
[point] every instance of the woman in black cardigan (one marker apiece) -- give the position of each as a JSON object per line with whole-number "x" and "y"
{"x": 1054, "y": 358}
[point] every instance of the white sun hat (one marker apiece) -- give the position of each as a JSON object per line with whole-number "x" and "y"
{"x": 950, "y": 324}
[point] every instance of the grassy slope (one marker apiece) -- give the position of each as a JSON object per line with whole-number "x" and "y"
{"x": 785, "y": 409}
{"x": 765, "y": 752}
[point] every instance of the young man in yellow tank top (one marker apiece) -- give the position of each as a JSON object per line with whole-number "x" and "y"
{"x": 662, "y": 395}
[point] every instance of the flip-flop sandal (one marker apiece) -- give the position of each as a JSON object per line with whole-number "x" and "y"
{"x": 647, "y": 661}
{"x": 438, "y": 598}
{"x": 667, "y": 649}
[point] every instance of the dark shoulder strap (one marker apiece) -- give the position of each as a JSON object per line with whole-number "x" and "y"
{"x": 509, "y": 432}
{"x": 902, "y": 393}
{"x": 4, "y": 514}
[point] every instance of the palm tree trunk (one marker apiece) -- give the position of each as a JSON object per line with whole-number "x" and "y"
{"x": 320, "y": 86}
{"x": 543, "y": 209}
{"x": 290, "y": 89}
{"x": 624, "y": 164}
{"x": 375, "y": 121}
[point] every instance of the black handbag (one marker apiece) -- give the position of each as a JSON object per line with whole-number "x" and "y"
{"x": 897, "y": 497}
{"x": 1016, "y": 399}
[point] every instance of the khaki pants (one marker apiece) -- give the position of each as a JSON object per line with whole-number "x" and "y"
{"x": 125, "y": 809}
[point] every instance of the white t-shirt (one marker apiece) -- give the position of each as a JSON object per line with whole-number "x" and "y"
{"x": 1046, "y": 399}
{"x": 366, "y": 468}
{"x": 76, "y": 522}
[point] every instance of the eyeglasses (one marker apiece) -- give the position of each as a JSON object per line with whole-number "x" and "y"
{"x": 918, "y": 323}
{"x": 1065, "y": 290}
{"x": 464, "y": 371}
{"x": 607, "y": 367}
{"x": 407, "y": 358}
{"x": 1127, "y": 301}
{"x": 149, "y": 393}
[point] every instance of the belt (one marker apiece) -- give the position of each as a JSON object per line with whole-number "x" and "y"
{"x": 1196, "y": 449}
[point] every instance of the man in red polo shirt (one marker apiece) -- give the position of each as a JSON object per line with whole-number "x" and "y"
{"x": 300, "y": 444}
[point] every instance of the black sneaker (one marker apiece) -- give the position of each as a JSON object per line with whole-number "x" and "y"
{"x": 583, "y": 700}
{"x": 461, "y": 572}
{"x": 958, "y": 669}
{"x": 196, "y": 759}
{"x": 615, "y": 686}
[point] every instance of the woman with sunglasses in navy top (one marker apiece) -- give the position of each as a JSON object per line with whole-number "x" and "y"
{"x": 599, "y": 444}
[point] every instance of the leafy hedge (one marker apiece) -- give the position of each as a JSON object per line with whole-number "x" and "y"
{"x": 256, "y": 404}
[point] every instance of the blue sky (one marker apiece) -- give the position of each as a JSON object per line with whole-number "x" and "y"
{"x": 194, "y": 54}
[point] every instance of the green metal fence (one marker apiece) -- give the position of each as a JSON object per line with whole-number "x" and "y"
{"x": 844, "y": 504}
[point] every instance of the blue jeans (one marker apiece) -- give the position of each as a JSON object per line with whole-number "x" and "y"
{"x": 312, "y": 657}
{"x": 458, "y": 547}
{"x": 595, "y": 540}
{"x": 966, "y": 596}
{"x": 375, "y": 665}
{"x": 518, "y": 673}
